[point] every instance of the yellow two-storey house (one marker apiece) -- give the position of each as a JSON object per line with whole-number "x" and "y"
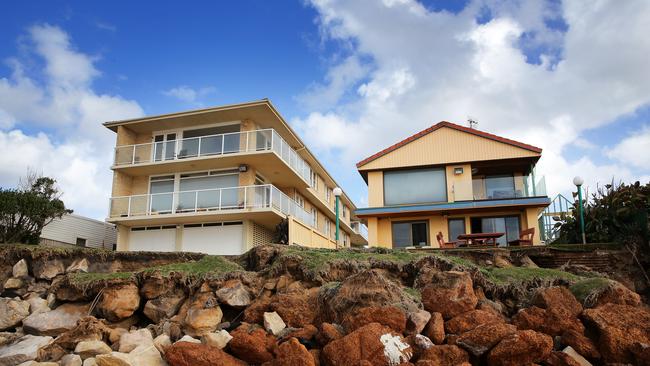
{"x": 220, "y": 181}
{"x": 448, "y": 181}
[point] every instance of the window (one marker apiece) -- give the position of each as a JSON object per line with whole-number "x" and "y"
{"x": 345, "y": 211}
{"x": 161, "y": 190}
{"x": 314, "y": 218}
{"x": 328, "y": 195}
{"x": 456, "y": 227}
{"x": 314, "y": 180}
{"x": 415, "y": 186}
{"x": 201, "y": 190}
{"x": 81, "y": 242}
{"x": 407, "y": 234}
{"x": 213, "y": 140}
{"x": 508, "y": 225}
{"x": 299, "y": 200}
{"x": 327, "y": 227}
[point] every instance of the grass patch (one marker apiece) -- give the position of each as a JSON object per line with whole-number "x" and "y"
{"x": 514, "y": 275}
{"x": 317, "y": 259}
{"x": 205, "y": 267}
{"x": 208, "y": 265}
{"x": 413, "y": 293}
{"x": 586, "y": 288}
{"x": 82, "y": 278}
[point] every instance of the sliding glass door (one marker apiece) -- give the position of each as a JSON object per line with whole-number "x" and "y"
{"x": 412, "y": 233}
{"x": 509, "y": 225}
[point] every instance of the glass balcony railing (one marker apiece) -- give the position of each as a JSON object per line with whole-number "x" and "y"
{"x": 212, "y": 145}
{"x": 360, "y": 229}
{"x": 508, "y": 186}
{"x": 208, "y": 200}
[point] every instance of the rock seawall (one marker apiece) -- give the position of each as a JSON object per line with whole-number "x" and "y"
{"x": 278, "y": 305}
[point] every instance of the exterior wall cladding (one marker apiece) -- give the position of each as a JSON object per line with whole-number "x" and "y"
{"x": 452, "y": 180}
{"x": 220, "y": 181}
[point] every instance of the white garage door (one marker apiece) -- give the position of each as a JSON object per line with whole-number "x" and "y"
{"x": 216, "y": 239}
{"x": 154, "y": 239}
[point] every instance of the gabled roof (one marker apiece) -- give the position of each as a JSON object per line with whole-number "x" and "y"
{"x": 455, "y": 127}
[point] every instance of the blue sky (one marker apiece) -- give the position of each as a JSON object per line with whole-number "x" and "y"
{"x": 543, "y": 72}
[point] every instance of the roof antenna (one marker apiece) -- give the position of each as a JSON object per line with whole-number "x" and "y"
{"x": 472, "y": 122}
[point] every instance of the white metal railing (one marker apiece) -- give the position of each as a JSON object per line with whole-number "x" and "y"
{"x": 212, "y": 145}
{"x": 220, "y": 199}
{"x": 360, "y": 229}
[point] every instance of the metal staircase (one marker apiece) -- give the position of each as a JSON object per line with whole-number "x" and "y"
{"x": 559, "y": 206}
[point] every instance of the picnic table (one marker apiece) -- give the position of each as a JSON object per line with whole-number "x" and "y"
{"x": 481, "y": 239}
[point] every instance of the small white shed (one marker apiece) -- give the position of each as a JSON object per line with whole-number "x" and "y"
{"x": 79, "y": 231}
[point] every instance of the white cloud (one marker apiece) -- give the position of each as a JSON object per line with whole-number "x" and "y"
{"x": 189, "y": 95}
{"x": 429, "y": 66}
{"x": 633, "y": 150}
{"x": 78, "y": 150}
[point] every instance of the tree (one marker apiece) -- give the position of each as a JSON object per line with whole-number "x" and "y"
{"x": 615, "y": 213}
{"x": 26, "y": 210}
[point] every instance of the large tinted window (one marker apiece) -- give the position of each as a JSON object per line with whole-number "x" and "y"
{"x": 415, "y": 186}
{"x": 407, "y": 234}
{"x": 456, "y": 227}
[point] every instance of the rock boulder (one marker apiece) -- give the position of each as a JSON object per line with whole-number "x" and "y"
{"x": 234, "y": 293}
{"x": 292, "y": 353}
{"x": 449, "y": 293}
{"x": 23, "y": 350}
{"x": 57, "y": 321}
{"x": 252, "y": 344}
{"x": 619, "y": 327}
{"x": 12, "y": 312}
{"x": 482, "y": 338}
{"x": 390, "y": 316}
{"x": 444, "y": 355}
{"x": 521, "y": 348}
{"x": 373, "y": 343}
{"x": 47, "y": 270}
{"x": 20, "y": 269}
{"x": 196, "y": 354}
{"x": 119, "y": 302}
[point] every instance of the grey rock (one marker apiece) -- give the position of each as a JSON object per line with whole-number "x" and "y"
{"x": 25, "y": 349}
{"x": 20, "y": 269}
{"x": 12, "y": 312}
{"x": 57, "y": 321}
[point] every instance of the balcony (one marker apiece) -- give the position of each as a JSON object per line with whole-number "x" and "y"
{"x": 231, "y": 200}
{"x": 508, "y": 187}
{"x": 205, "y": 147}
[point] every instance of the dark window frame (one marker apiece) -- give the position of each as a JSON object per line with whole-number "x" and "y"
{"x": 425, "y": 222}
{"x": 435, "y": 167}
{"x": 449, "y": 227}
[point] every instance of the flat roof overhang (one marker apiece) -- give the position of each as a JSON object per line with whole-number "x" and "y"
{"x": 453, "y": 207}
{"x": 266, "y": 217}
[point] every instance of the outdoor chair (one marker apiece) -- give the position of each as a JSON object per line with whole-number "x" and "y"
{"x": 449, "y": 244}
{"x": 525, "y": 238}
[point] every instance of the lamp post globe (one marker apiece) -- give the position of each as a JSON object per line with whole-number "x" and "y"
{"x": 337, "y": 193}
{"x": 578, "y": 181}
